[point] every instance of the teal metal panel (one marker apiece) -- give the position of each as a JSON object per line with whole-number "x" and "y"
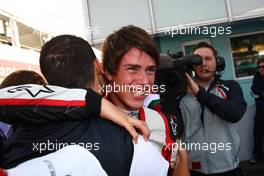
{"x": 168, "y": 43}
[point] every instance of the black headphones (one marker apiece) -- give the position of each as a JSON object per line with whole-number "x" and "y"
{"x": 220, "y": 61}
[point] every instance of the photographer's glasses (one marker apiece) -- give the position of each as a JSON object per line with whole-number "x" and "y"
{"x": 261, "y": 66}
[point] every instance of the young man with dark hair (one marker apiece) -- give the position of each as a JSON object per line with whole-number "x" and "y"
{"x": 130, "y": 58}
{"x": 210, "y": 109}
{"x": 42, "y": 104}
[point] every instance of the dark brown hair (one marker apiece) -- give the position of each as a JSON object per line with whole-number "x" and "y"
{"x": 260, "y": 61}
{"x": 23, "y": 77}
{"x": 120, "y": 42}
{"x": 205, "y": 45}
{"x": 67, "y": 61}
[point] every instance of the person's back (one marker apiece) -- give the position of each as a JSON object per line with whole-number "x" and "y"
{"x": 69, "y": 61}
{"x": 94, "y": 134}
{"x": 57, "y": 163}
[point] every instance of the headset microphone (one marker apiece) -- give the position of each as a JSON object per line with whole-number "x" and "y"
{"x": 209, "y": 71}
{"x": 220, "y": 64}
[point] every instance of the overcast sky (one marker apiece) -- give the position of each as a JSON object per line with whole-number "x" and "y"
{"x": 55, "y": 16}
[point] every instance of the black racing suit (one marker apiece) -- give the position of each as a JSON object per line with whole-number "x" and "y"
{"x": 28, "y": 109}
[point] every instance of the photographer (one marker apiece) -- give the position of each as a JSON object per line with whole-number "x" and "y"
{"x": 209, "y": 109}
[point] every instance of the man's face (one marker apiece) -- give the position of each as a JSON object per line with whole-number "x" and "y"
{"x": 261, "y": 68}
{"x": 206, "y": 71}
{"x": 136, "y": 71}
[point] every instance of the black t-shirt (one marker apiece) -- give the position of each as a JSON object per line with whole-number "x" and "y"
{"x": 110, "y": 144}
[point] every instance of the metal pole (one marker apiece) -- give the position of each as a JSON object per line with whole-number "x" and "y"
{"x": 152, "y": 19}
{"x": 229, "y": 10}
{"x": 87, "y": 21}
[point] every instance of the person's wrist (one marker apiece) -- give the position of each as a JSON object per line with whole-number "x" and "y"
{"x": 200, "y": 91}
{"x": 196, "y": 90}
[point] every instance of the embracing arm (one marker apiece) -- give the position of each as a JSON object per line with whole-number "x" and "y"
{"x": 31, "y": 104}
{"x": 27, "y": 104}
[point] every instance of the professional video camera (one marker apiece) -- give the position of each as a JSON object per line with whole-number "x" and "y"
{"x": 171, "y": 73}
{"x": 172, "y": 69}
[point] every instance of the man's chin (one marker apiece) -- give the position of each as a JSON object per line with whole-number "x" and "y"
{"x": 136, "y": 102}
{"x": 206, "y": 77}
{"x": 135, "y": 106}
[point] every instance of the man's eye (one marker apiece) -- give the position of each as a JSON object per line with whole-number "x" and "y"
{"x": 208, "y": 58}
{"x": 132, "y": 69}
{"x": 151, "y": 71}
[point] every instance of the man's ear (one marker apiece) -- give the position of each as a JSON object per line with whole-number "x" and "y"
{"x": 98, "y": 66}
{"x": 108, "y": 76}
{"x": 100, "y": 70}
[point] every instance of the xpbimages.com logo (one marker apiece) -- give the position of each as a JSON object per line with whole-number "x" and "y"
{"x": 213, "y": 31}
{"x": 135, "y": 89}
{"x": 55, "y": 145}
{"x": 211, "y": 147}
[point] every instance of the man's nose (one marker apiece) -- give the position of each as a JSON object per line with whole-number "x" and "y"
{"x": 203, "y": 62}
{"x": 143, "y": 78}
